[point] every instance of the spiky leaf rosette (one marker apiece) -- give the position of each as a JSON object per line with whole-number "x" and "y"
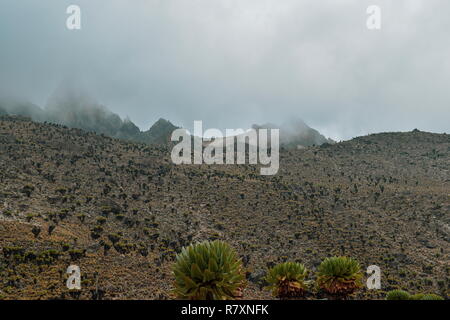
{"x": 398, "y": 295}
{"x": 339, "y": 276}
{"x": 208, "y": 271}
{"x": 287, "y": 280}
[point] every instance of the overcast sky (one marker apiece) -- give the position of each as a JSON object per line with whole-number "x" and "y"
{"x": 233, "y": 63}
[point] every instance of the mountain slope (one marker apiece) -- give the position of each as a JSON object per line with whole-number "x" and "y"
{"x": 296, "y": 134}
{"x": 75, "y": 110}
{"x": 121, "y": 211}
{"x": 159, "y": 133}
{"x": 78, "y": 110}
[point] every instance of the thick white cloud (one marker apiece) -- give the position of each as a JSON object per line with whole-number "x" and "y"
{"x": 232, "y": 63}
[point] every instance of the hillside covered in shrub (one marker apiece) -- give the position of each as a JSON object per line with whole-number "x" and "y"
{"x": 122, "y": 211}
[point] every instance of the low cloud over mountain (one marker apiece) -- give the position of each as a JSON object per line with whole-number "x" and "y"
{"x": 77, "y": 109}
{"x": 296, "y": 133}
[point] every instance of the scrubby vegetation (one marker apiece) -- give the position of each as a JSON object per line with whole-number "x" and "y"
{"x": 431, "y": 296}
{"x": 403, "y": 295}
{"x": 122, "y": 210}
{"x": 398, "y": 295}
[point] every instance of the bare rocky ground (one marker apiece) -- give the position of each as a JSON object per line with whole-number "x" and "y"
{"x": 121, "y": 211}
